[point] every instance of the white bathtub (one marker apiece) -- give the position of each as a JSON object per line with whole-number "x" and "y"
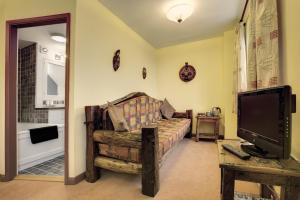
{"x": 32, "y": 154}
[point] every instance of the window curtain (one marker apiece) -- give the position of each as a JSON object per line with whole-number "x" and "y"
{"x": 267, "y": 50}
{"x": 251, "y": 46}
{"x": 257, "y": 49}
{"x": 240, "y": 72}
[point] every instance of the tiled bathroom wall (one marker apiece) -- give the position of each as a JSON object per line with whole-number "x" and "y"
{"x": 26, "y": 87}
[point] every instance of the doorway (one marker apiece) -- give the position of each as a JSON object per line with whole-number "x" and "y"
{"x": 36, "y": 93}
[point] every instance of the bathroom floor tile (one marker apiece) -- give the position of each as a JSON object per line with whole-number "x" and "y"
{"x": 53, "y": 167}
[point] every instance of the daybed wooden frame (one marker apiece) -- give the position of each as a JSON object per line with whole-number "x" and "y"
{"x": 96, "y": 120}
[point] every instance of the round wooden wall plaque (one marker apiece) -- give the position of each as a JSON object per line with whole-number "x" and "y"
{"x": 187, "y": 72}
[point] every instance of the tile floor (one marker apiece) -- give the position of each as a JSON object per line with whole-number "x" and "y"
{"x": 53, "y": 167}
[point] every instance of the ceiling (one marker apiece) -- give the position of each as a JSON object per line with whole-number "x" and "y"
{"x": 28, "y": 36}
{"x": 147, "y": 17}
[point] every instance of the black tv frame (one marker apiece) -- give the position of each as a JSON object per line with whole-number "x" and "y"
{"x": 282, "y": 148}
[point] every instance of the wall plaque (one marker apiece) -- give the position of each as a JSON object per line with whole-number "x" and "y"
{"x": 187, "y": 72}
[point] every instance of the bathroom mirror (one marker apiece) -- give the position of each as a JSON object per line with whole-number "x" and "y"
{"x": 55, "y": 79}
{"x": 50, "y": 84}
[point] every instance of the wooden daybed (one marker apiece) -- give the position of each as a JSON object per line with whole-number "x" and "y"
{"x": 138, "y": 151}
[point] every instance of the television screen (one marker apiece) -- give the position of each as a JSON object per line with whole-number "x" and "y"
{"x": 260, "y": 115}
{"x": 264, "y": 119}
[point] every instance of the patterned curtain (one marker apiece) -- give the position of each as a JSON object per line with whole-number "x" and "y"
{"x": 257, "y": 50}
{"x": 242, "y": 61}
{"x": 267, "y": 50}
{"x": 251, "y": 46}
{"x": 235, "y": 73}
{"x": 240, "y": 72}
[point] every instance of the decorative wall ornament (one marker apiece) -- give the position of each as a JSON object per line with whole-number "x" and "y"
{"x": 58, "y": 57}
{"x": 187, "y": 72}
{"x": 43, "y": 50}
{"x": 116, "y": 60}
{"x": 144, "y": 72}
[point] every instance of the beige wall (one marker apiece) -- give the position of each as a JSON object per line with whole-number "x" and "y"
{"x": 205, "y": 91}
{"x": 290, "y": 48}
{"x": 230, "y": 117}
{"x": 2, "y": 47}
{"x": 92, "y": 79}
{"x": 290, "y": 61}
{"x": 32, "y": 8}
{"x": 98, "y": 35}
{"x": 212, "y": 86}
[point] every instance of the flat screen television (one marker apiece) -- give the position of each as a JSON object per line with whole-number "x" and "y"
{"x": 264, "y": 120}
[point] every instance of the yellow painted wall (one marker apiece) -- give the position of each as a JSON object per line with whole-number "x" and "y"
{"x": 230, "y": 117}
{"x": 92, "y": 79}
{"x": 32, "y": 8}
{"x": 205, "y": 91}
{"x": 2, "y": 48}
{"x": 290, "y": 61}
{"x": 98, "y": 35}
{"x": 290, "y": 48}
{"x": 212, "y": 86}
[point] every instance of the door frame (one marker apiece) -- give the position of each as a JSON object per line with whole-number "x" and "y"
{"x": 11, "y": 49}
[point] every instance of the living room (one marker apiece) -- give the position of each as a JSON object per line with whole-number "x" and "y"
{"x": 98, "y": 29}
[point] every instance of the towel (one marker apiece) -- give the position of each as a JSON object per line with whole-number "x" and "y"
{"x": 39, "y": 135}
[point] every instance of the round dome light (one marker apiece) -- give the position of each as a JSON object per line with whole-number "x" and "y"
{"x": 180, "y": 12}
{"x": 58, "y": 38}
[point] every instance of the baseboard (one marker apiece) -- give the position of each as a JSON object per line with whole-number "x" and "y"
{"x": 75, "y": 180}
{"x": 69, "y": 181}
{"x": 40, "y": 178}
{"x": 221, "y": 137}
{"x": 2, "y": 178}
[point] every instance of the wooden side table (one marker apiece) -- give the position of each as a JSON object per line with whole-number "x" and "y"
{"x": 284, "y": 173}
{"x": 205, "y": 119}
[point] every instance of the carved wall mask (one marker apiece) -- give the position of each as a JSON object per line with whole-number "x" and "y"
{"x": 187, "y": 73}
{"x": 144, "y": 72}
{"x": 116, "y": 60}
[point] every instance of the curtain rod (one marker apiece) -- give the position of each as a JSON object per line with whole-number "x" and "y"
{"x": 244, "y": 11}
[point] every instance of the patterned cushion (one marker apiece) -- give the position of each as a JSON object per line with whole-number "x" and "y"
{"x": 141, "y": 111}
{"x": 169, "y": 133}
{"x": 117, "y": 118}
{"x": 167, "y": 109}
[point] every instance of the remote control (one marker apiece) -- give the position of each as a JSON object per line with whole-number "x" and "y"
{"x": 237, "y": 152}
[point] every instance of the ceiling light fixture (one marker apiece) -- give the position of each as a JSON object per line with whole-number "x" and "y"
{"x": 180, "y": 12}
{"x": 58, "y": 37}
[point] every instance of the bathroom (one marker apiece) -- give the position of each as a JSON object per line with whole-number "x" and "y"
{"x": 41, "y": 100}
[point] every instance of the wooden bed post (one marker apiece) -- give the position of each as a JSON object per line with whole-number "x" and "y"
{"x": 92, "y": 173}
{"x": 150, "y": 165}
{"x": 189, "y": 114}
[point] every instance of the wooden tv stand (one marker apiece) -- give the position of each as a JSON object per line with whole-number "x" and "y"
{"x": 284, "y": 173}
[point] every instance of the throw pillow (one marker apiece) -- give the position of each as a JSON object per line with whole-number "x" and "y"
{"x": 167, "y": 110}
{"x": 117, "y": 118}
